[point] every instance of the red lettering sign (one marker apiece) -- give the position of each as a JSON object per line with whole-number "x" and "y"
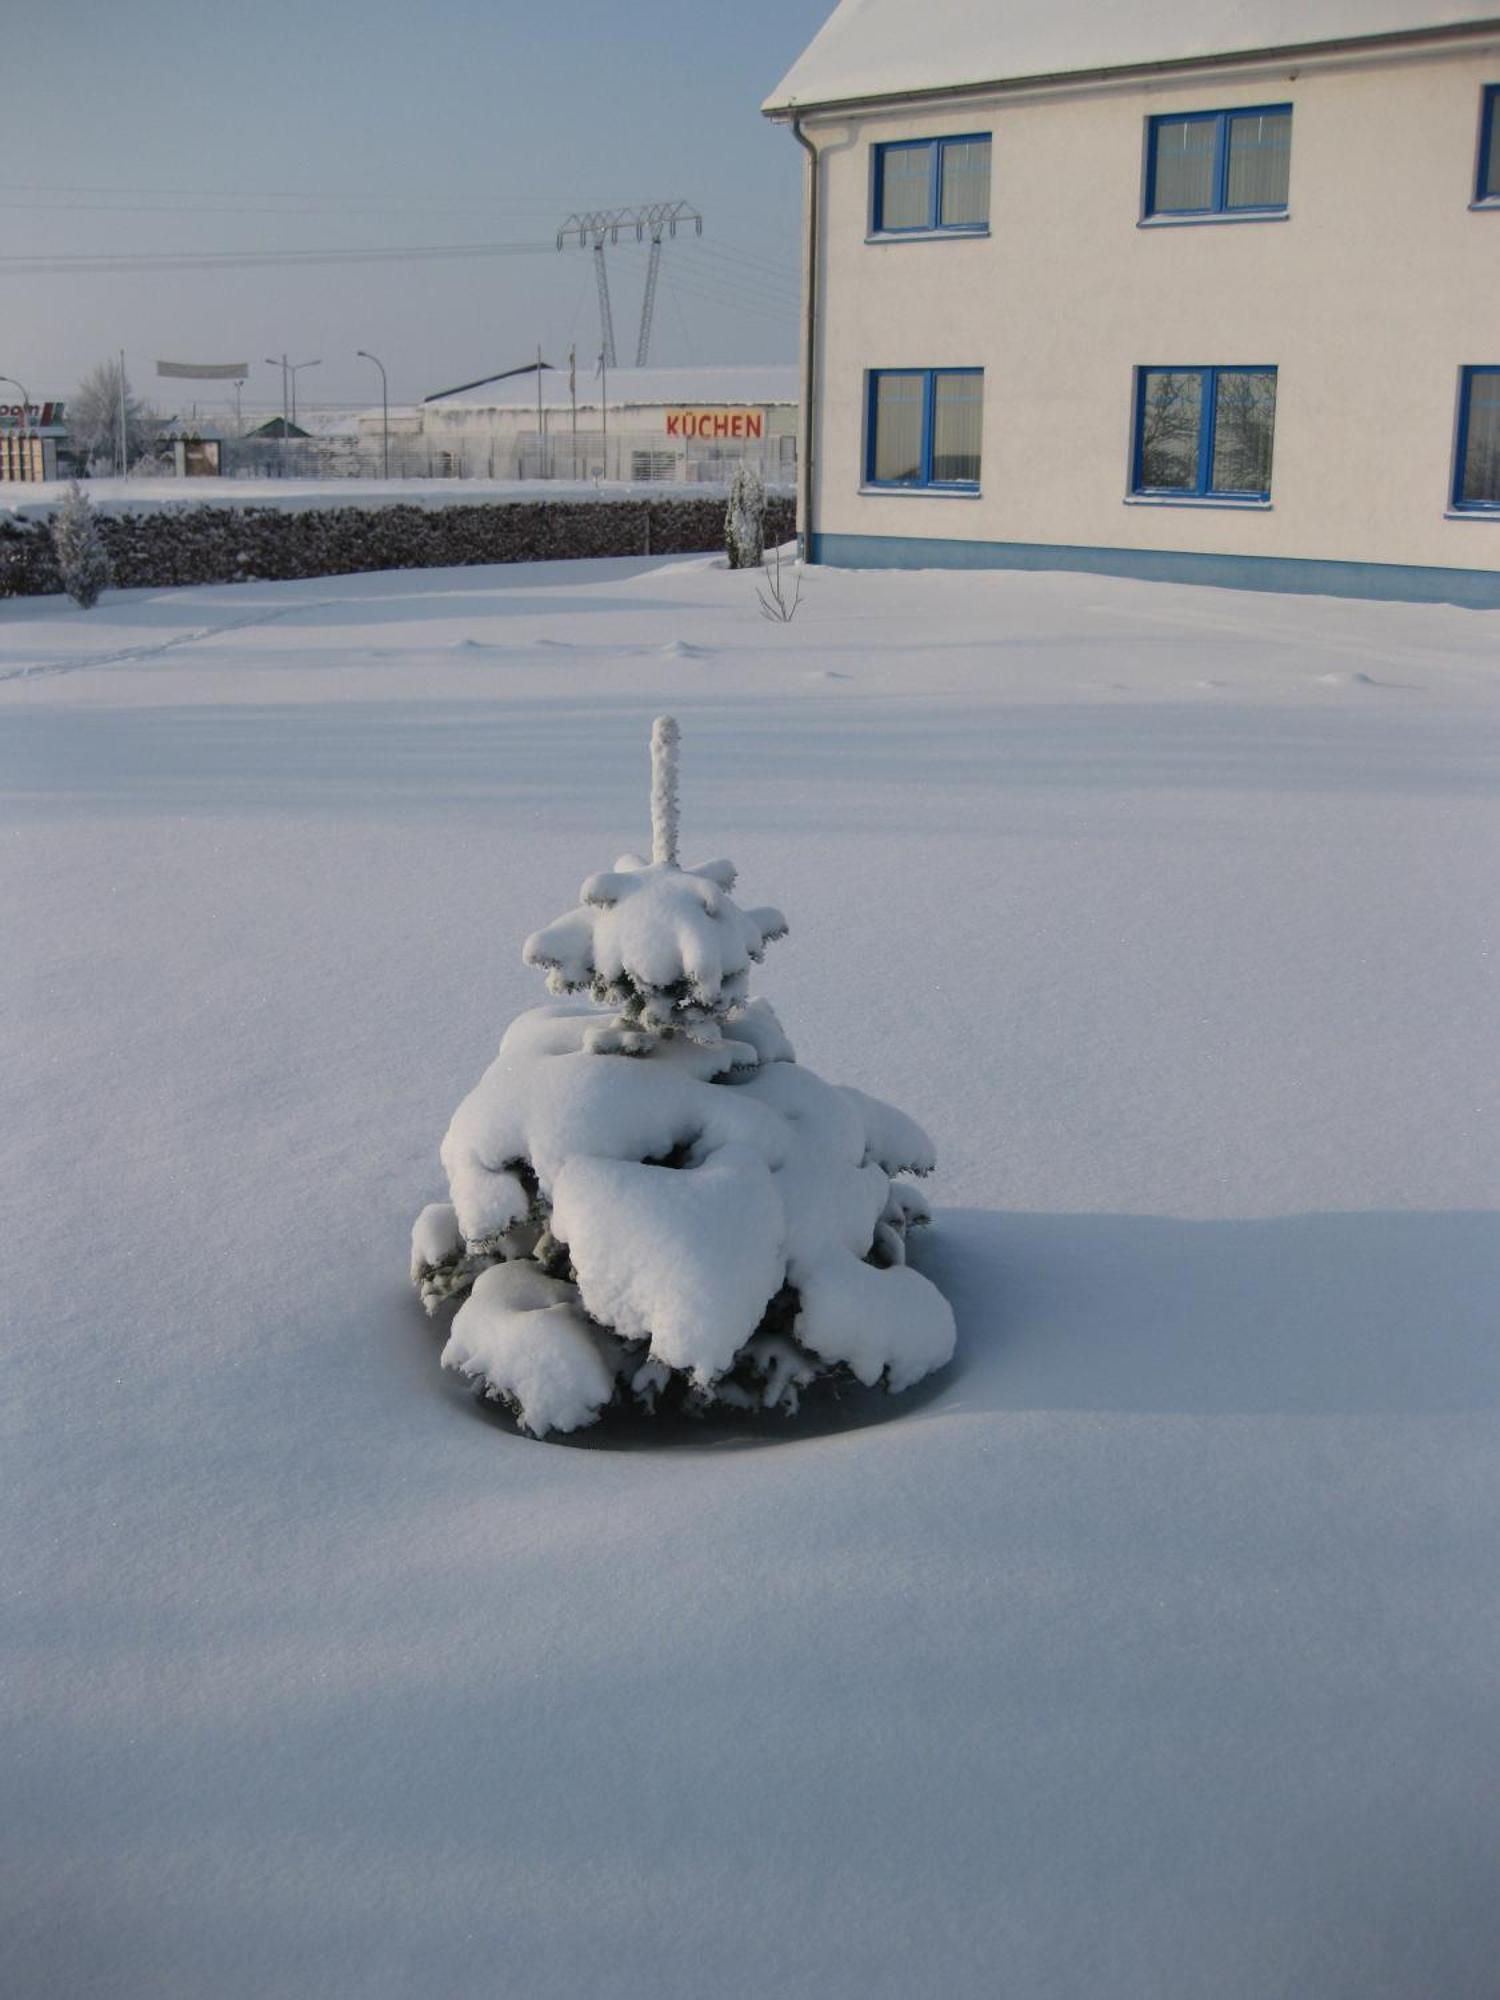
{"x": 716, "y": 423}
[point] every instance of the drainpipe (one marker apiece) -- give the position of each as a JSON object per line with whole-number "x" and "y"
{"x": 809, "y": 341}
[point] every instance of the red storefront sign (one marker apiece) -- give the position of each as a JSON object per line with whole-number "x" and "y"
{"x": 716, "y": 423}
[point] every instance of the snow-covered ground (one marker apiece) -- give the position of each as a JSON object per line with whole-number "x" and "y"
{"x": 1151, "y": 1653}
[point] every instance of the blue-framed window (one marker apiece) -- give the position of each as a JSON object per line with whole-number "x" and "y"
{"x": 1204, "y": 433}
{"x": 1219, "y": 162}
{"x": 925, "y": 427}
{"x": 1476, "y": 470}
{"x": 926, "y": 184}
{"x": 1487, "y": 188}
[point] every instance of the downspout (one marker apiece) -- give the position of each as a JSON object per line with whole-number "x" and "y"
{"x": 809, "y": 343}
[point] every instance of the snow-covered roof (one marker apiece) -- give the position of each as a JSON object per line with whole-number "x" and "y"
{"x": 881, "y": 48}
{"x": 729, "y": 383}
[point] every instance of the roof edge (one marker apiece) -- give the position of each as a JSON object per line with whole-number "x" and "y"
{"x": 780, "y": 110}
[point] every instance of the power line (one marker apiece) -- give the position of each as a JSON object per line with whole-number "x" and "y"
{"x": 756, "y": 264}
{"x": 218, "y": 260}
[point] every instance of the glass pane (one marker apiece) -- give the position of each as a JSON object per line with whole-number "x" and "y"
{"x": 957, "y": 420}
{"x": 905, "y": 187}
{"x": 1489, "y": 173}
{"x": 1481, "y": 470}
{"x": 898, "y": 427}
{"x": 1244, "y": 421}
{"x": 1184, "y": 166}
{"x": 1260, "y": 159}
{"x": 966, "y": 182}
{"x": 1171, "y": 410}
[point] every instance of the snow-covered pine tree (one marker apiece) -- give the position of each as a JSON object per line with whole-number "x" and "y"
{"x": 81, "y": 560}
{"x": 745, "y": 518}
{"x": 650, "y": 1199}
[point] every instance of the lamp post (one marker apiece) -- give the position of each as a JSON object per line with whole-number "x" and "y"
{"x": 385, "y": 412}
{"x": 289, "y": 374}
{"x": 272, "y": 362}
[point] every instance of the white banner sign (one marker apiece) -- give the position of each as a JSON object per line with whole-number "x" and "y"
{"x": 205, "y": 371}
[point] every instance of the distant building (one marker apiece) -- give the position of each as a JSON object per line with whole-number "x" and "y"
{"x": 1208, "y": 293}
{"x": 29, "y": 440}
{"x": 281, "y": 429}
{"x": 683, "y": 424}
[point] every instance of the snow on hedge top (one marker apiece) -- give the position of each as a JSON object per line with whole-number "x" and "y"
{"x": 873, "y": 48}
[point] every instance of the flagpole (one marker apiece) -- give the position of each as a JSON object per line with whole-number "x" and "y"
{"x": 573, "y": 398}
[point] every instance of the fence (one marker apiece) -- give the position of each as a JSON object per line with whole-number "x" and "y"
{"x": 592, "y": 455}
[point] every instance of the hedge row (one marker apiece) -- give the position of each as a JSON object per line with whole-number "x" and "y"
{"x": 241, "y": 544}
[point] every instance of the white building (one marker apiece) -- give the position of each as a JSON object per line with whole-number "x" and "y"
{"x": 1208, "y": 293}
{"x": 683, "y": 424}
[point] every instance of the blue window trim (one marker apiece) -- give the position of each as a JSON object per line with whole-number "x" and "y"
{"x": 934, "y": 224}
{"x": 1208, "y": 410}
{"x": 1487, "y": 138}
{"x": 1461, "y": 445}
{"x": 924, "y": 483}
{"x": 1220, "y": 204}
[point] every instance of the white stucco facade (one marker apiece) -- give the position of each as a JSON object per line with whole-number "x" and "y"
{"x": 1368, "y": 296}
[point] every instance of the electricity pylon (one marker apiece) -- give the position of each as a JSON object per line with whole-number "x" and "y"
{"x": 593, "y": 226}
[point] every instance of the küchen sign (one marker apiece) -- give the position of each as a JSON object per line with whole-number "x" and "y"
{"x": 716, "y": 423}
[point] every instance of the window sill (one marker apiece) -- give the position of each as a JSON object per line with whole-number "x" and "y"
{"x": 1212, "y": 221}
{"x": 927, "y": 235}
{"x": 1472, "y": 513}
{"x": 1490, "y": 204}
{"x": 1215, "y": 502}
{"x": 922, "y": 492}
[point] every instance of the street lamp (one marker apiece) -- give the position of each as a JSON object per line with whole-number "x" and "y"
{"x": 385, "y": 412}
{"x": 289, "y": 373}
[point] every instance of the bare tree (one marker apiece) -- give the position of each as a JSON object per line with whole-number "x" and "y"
{"x": 94, "y": 417}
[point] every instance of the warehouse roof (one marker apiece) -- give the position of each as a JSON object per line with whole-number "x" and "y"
{"x": 883, "y": 48}
{"x": 690, "y": 387}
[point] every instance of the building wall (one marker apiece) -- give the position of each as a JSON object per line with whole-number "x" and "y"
{"x": 1368, "y": 297}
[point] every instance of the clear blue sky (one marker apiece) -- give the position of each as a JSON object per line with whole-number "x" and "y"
{"x": 178, "y": 126}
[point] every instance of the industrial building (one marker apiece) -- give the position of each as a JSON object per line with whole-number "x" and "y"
{"x": 1207, "y": 293}
{"x": 688, "y": 425}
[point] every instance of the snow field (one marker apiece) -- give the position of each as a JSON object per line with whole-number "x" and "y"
{"x": 1148, "y": 1651}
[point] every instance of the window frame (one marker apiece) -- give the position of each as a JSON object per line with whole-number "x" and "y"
{"x": 1204, "y": 493}
{"x": 1219, "y": 209}
{"x": 934, "y": 225}
{"x": 1489, "y": 133}
{"x": 925, "y": 483}
{"x": 1456, "y": 502}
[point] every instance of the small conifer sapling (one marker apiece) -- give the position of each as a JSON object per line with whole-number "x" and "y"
{"x": 649, "y": 1199}
{"x": 745, "y": 518}
{"x": 81, "y": 559}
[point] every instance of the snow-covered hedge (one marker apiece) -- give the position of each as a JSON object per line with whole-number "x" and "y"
{"x": 649, "y": 1198}
{"x": 207, "y": 544}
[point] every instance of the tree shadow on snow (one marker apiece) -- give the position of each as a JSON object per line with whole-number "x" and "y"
{"x": 1305, "y": 1315}
{"x": 1361, "y": 1314}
